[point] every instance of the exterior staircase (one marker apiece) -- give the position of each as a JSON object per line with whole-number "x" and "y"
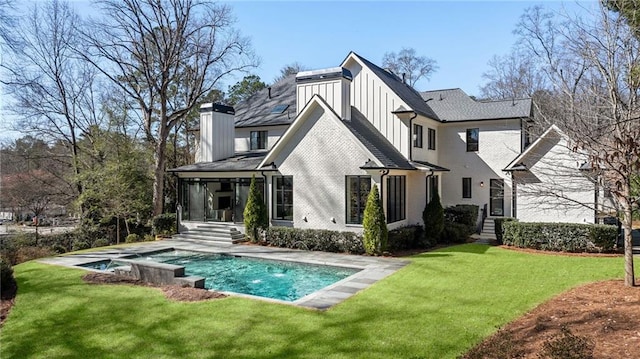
{"x": 212, "y": 232}
{"x": 488, "y": 235}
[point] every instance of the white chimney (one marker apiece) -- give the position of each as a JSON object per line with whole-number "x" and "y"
{"x": 333, "y": 85}
{"x": 217, "y": 132}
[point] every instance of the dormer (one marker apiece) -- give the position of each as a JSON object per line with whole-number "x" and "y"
{"x": 332, "y": 84}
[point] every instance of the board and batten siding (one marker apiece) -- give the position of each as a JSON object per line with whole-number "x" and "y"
{"x": 376, "y": 101}
{"x": 334, "y": 92}
{"x": 499, "y": 144}
{"x": 217, "y": 132}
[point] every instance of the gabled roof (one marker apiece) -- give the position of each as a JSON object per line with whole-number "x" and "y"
{"x": 518, "y": 163}
{"x": 407, "y": 93}
{"x": 246, "y": 161}
{"x": 388, "y": 156}
{"x": 257, "y": 109}
{"x": 455, "y": 105}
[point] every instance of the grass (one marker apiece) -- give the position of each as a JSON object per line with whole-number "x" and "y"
{"x": 439, "y": 306}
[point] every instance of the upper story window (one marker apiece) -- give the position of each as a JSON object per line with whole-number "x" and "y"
{"x": 358, "y": 188}
{"x": 473, "y": 137}
{"x": 417, "y": 135}
{"x": 258, "y": 140}
{"x": 432, "y": 139}
{"x": 283, "y": 198}
{"x": 466, "y": 187}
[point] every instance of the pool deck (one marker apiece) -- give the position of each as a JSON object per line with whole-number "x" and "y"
{"x": 372, "y": 269}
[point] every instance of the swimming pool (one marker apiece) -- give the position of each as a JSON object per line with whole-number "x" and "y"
{"x": 288, "y": 281}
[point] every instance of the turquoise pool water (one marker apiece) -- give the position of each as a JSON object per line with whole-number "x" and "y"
{"x": 287, "y": 281}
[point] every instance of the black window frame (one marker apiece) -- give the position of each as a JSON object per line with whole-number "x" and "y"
{"x": 396, "y": 198}
{"x": 432, "y": 186}
{"x": 279, "y": 197}
{"x": 466, "y": 187}
{"x": 431, "y": 137}
{"x": 360, "y": 200}
{"x": 473, "y": 144}
{"x": 417, "y": 135}
{"x": 259, "y": 142}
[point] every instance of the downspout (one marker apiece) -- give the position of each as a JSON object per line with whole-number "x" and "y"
{"x": 382, "y": 174}
{"x": 411, "y": 135}
{"x": 427, "y": 184}
{"x": 265, "y": 194}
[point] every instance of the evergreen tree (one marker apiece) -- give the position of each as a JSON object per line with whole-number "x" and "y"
{"x": 255, "y": 212}
{"x": 375, "y": 225}
{"x": 433, "y": 217}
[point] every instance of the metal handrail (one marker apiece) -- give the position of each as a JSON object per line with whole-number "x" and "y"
{"x": 483, "y": 215}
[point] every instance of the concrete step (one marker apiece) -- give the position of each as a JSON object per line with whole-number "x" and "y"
{"x": 222, "y": 231}
{"x": 204, "y": 238}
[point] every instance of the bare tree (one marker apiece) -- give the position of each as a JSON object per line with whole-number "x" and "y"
{"x": 512, "y": 76}
{"x": 7, "y": 23}
{"x": 593, "y": 68}
{"x": 406, "y": 63}
{"x": 54, "y": 92}
{"x": 165, "y": 55}
{"x": 289, "y": 69}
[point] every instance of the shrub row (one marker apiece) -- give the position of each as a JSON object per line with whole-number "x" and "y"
{"x": 164, "y": 224}
{"x": 409, "y": 237}
{"x": 498, "y": 227}
{"x": 565, "y": 237}
{"x": 315, "y": 240}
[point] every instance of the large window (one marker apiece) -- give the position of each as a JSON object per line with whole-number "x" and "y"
{"x": 466, "y": 187}
{"x": 432, "y": 139}
{"x": 432, "y": 187}
{"x": 417, "y": 135}
{"x": 358, "y": 188}
{"x": 473, "y": 137}
{"x": 258, "y": 140}
{"x": 283, "y": 198}
{"x": 396, "y": 198}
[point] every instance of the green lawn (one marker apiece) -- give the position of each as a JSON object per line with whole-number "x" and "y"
{"x": 437, "y": 307}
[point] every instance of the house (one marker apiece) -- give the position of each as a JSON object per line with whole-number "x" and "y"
{"x": 316, "y": 143}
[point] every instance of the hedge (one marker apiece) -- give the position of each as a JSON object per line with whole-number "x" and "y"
{"x": 409, "y": 237}
{"x": 164, "y": 224}
{"x": 315, "y": 240}
{"x": 561, "y": 237}
{"x": 498, "y": 226}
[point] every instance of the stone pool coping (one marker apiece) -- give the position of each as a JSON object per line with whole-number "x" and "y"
{"x": 372, "y": 269}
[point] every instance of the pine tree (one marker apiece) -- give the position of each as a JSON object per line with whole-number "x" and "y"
{"x": 433, "y": 217}
{"x": 375, "y": 225}
{"x": 255, "y": 212}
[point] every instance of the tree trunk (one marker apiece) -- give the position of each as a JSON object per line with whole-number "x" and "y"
{"x": 158, "y": 178}
{"x": 117, "y": 230}
{"x": 629, "y": 275}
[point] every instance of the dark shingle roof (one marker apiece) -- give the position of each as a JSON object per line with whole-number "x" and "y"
{"x": 455, "y": 105}
{"x": 404, "y": 91}
{"x": 247, "y": 161}
{"x": 375, "y": 142}
{"x": 256, "y": 110}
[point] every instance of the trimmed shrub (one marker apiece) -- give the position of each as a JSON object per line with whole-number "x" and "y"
{"x": 375, "y": 234}
{"x": 164, "y": 224}
{"x": 132, "y": 238}
{"x": 7, "y": 281}
{"x": 564, "y": 237}
{"x": 466, "y": 214}
{"x": 498, "y": 227}
{"x": 148, "y": 238}
{"x": 433, "y": 218}
{"x": 102, "y": 242}
{"x": 409, "y": 237}
{"x": 455, "y": 233}
{"x": 314, "y": 240}
{"x": 255, "y": 212}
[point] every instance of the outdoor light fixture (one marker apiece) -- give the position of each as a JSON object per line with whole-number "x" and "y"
{"x": 481, "y": 183}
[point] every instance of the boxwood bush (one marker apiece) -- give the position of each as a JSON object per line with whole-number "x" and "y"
{"x": 409, "y": 237}
{"x": 164, "y": 224}
{"x": 564, "y": 237}
{"x": 498, "y": 227}
{"x": 459, "y": 223}
{"x": 315, "y": 240}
